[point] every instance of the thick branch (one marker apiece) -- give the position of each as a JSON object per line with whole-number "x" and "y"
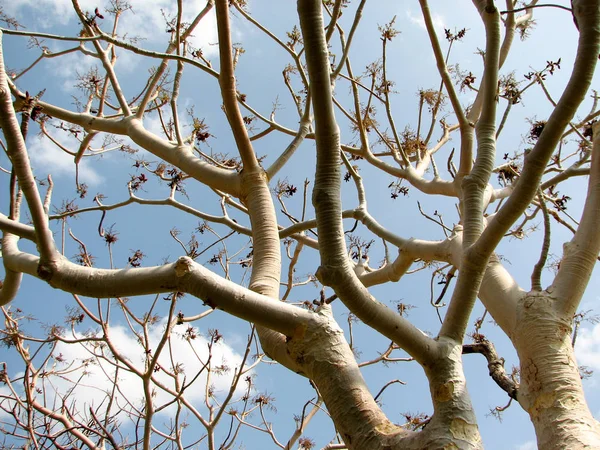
{"x": 184, "y": 275}
{"x": 581, "y": 253}
{"x": 335, "y": 269}
{"x": 20, "y": 163}
{"x": 229, "y": 90}
{"x": 473, "y": 187}
{"x": 527, "y": 185}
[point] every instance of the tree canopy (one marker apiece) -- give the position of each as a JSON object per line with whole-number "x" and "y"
{"x": 234, "y": 224}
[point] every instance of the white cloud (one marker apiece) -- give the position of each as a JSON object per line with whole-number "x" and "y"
{"x": 46, "y": 158}
{"x": 417, "y": 19}
{"x": 148, "y": 22}
{"x": 48, "y": 13}
{"x": 529, "y": 445}
{"x": 70, "y": 68}
{"x": 146, "y": 19}
{"x": 96, "y": 378}
{"x": 587, "y": 347}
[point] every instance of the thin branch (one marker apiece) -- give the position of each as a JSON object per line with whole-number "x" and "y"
{"x": 536, "y": 275}
{"x": 495, "y": 366}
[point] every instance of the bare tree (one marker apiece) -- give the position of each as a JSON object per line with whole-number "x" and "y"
{"x": 39, "y": 402}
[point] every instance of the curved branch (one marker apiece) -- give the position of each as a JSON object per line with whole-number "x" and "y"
{"x": 335, "y": 269}
{"x": 535, "y": 163}
{"x": 473, "y": 264}
{"x": 228, "y": 88}
{"x": 179, "y": 156}
{"x": 11, "y": 226}
{"x": 495, "y": 366}
{"x": 536, "y": 275}
{"x": 184, "y": 275}
{"x": 581, "y": 253}
{"x": 20, "y": 162}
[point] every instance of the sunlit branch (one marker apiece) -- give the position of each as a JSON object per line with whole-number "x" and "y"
{"x": 170, "y": 201}
{"x": 509, "y": 33}
{"x": 280, "y": 162}
{"x": 531, "y": 6}
{"x": 439, "y": 57}
{"x": 12, "y": 279}
{"x": 327, "y": 180}
{"x": 535, "y": 163}
{"x": 388, "y": 108}
{"x": 50, "y": 36}
{"x": 11, "y": 226}
{"x": 473, "y": 263}
{"x": 581, "y": 253}
{"x": 21, "y": 166}
{"x": 334, "y": 16}
{"x": 155, "y": 79}
{"x": 228, "y": 88}
{"x": 103, "y": 56}
{"x": 174, "y": 112}
{"x": 181, "y": 157}
{"x": 184, "y": 276}
{"x": 45, "y": 54}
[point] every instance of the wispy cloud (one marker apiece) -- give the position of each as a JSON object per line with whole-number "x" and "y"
{"x": 97, "y": 377}
{"x": 146, "y": 20}
{"x": 529, "y": 445}
{"x": 48, "y": 159}
{"x": 587, "y": 347}
{"x": 417, "y": 19}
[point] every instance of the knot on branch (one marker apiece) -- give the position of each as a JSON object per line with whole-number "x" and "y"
{"x": 330, "y": 275}
{"x": 183, "y": 266}
{"x": 46, "y": 270}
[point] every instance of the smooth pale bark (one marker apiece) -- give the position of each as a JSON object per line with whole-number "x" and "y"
{"x": 17, "y": 152}
{"x": 473, "y": 189}
{"x": 255, "y": 194}
{"x": 184, "y": 275}
{"x": 266, "y": 259}
{"x": 361, "y": 422}
{"x": 335, "y": 372}
{"x": 453, "y": 424}
{"x": 179, "y": 156}
{"x": 550, "y": 389}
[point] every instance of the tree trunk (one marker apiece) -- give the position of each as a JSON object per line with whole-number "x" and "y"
{"x": 551, "y": 390}
{"x": 453, "y": 424}
{"x": 323, "y": 353}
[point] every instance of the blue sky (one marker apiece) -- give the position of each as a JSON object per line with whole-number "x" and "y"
{"x": 412, "y": 67}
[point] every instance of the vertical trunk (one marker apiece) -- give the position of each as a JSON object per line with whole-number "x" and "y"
{"x": 266, "y": 266}
{"x": 551, "y": 390}
{"x": 327, "y": 359}
{"x": 324, "y": 354}
{"x": 453, "y": 424}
